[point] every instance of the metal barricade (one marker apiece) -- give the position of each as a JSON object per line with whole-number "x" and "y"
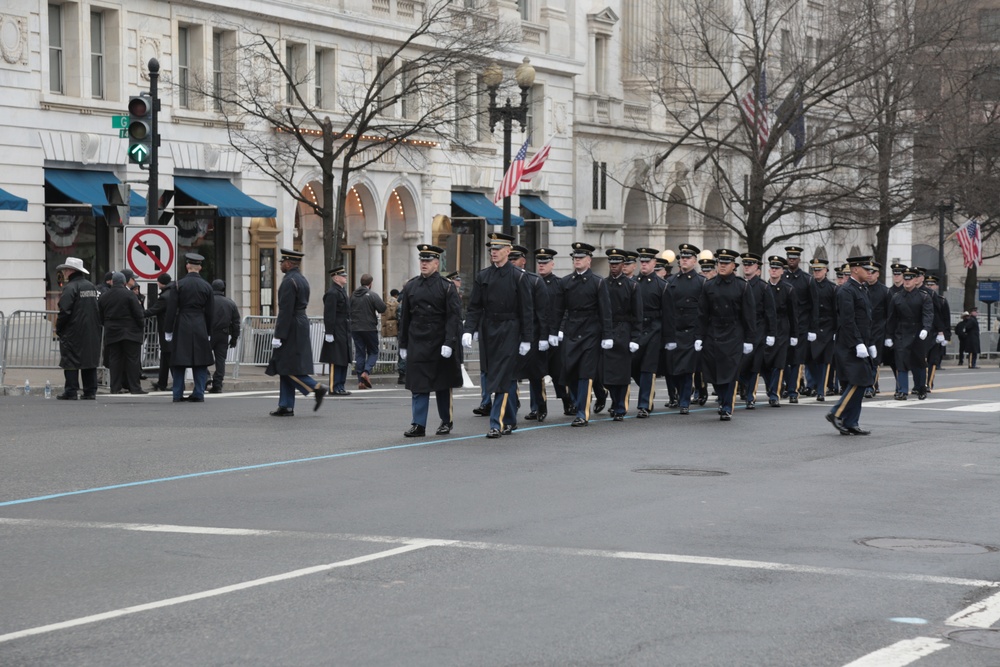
{"x": 1, "y": 345}
{"x": 30, "y": 341}
{"x": 254, "y": 347}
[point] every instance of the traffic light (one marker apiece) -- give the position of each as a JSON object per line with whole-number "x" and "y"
{"x": 117, "y": 211}
{"x": 140, "y": 128}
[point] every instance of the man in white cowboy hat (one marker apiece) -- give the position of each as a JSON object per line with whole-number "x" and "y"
{"x": 78, "y": 326}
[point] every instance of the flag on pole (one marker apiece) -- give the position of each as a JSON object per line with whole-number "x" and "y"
{"x": 512, "y": 179}
{"x": 537, "y": 161}
{"x": 970, "y": 238}
{"x": 754, "y": 106}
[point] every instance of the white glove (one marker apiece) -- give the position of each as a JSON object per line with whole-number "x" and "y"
{"x": 940, "y": 339}
{"x": 633, "y": 347}
{"x": 747, "y": 348}
{"x": 466, "y": 340}
{"x": 944, "y": 343}
{"x": 607, "y": 343}
{"x": 560, "y": 336}
{"x": 402, "y": 353}
{"x": 524, "y": 348}
{"x": 446, "y": 352}
{"x": 888, "y": 342}
{"x": 276, "y": 343}
{"x": 810, "y": 336}
{"x": 872, "y": 352}
{"x": 697, "y": 346}
{"x": 861, "y": 351}
{"x": 553, "y": 341}
{"x": 769, "y": 341}
{"x": 670, "y": 346}
{"x": 168, "y": 336}
{"x": 475, "y": 337}
{"x": 923, "y": 334}
{"x": 793, "y": 341}
{"x": 328, "y": 338}
{"x": 543, "y": 345}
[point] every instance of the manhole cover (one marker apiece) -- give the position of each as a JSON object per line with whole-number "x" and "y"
{"x": 978, "y": 636}
{"x": 926, "y": 546}
{"x": 686, "y": 472}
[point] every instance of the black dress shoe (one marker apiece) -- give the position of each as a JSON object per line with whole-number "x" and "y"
{"x": 89, "y": 397}
{"x": 856, "y": 430}
{"x": 725, "y": 416}
{"x": 642, "y": 413}
{"x": 320, "y": 392}
{"x": 579, "y": 421}
{"x": 837, "y": 422}
{"x": 195, "y": 399}
{"x": 618, "y": 417}
{"x": 542, "y": 416}
{"x": 283, "y": 412}
{"x": 820, "y": 399}
{"x": 685, "y": 411}
{"x": 600, "y": 404}
{"x": 215, "y": 390}
{"x": 156, "y": 387}
{"x": 493, "y": 434}
{"x": 139, "y": 391}
{"x": 415, "y": 431}
{"x": 339, "y": 392}
{"x": 531, "y": 416}
{"x": 570, "y": 411}
{"x": 774, "y": 403}
{"x": 703, "y": 400}
{"x": 445, "y": 428}
{"x": 900, "y": 396}
{"x": 507, "y": 429}
{"x": 793, "y": 399}
{"x": 66, "y": 396}
{"x": 483, "y": 410}
{"x": 921, "y": 395}
{"x": 751, "y": 405}
{"x": 674, "y": 403}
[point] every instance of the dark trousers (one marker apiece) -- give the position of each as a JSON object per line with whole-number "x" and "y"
{"x": 684, "y": 385}
{"x": 72, "y": 381}
{"x": 290, "y": 384}
{"x": 338, "y": 377}
{"x": 200, "y": 374}
{"x": 726, "y": 392}
{"x": 420, "y": 404}
{"x": 365, "y": 351}
{"x": 619, "y": 398}
{"x": 536, "y": 392}
{"x": 123, "y": 365}
{"x": 748, "y": 386}
{"x": 848, "y": 408}
{"x": 581, "y": 392}
{"x": 647, "y": 382}
{"x": 773, "y": 379}
{"x": 504, "y": 409}
{"x": 164, "y": 364}
{"x": 221, "y": 350}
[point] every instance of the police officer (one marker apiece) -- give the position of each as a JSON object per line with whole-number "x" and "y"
{"x": 78, "y": 326}
{"x": 680, "y": 326}
{"x": 336, "y": 349}
{"x": 551, "y": 360}
{"x": 785, "y": 304}
{"x": 188, "y": 322}
{"x": 626, "y": 326}
{"x": 854, "y": 346}
{"x": 765, "y": 318}
{"x": 533, "y": 366}
{"x": 797, "y": 353}
{"x": 586, "y": 314}
{"x": 822, "y": 324}
{"x": 501, "y": 310}
{"x": 910, "y": 320}
{"x": 430, "y": 326}
{"x": 291, "y": 353}
{"x": 225, "y": 332}
{"x": 646, "y": 362}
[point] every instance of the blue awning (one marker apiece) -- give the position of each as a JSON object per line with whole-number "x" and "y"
{"x": 543, "y": 210}
{"x": 9, "y": 202}
{"x": 478, "y": 206}
{"x": 229, "y": 201}
{"x": 87, "y": 187}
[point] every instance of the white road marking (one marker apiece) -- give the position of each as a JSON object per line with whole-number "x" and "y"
{"x": 901, "y": 653}
{"x": 169, "y": 602}
{"x": 981, "y": 407}
{"x": 982, "y": 614}
{"x": 914, "y": 403}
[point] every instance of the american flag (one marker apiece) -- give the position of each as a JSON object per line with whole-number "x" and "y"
{"x": 536, "y": 162}
{"x": 970, "y": 238}
{"x": 512, "y": 179}
{"x": 754, "y": 106}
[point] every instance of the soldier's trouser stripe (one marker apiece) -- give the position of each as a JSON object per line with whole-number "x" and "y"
{"x": 930, "y": 376}
{"x": 732, "y": 399}
{"x": 781, "y": 378}
{"x": 798, "y": 380}
{"x": 826, "y": 380}
{"x": 628, "y": 395}
{"x": 301, "y": 383}
{"x": 844, "y": 401}
{"x": 590, "y": 391}
{"x": 652, "y": 392}
{"x": 503, "y": 409}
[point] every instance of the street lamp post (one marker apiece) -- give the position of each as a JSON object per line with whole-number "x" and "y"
{"x": 493, "y": 77}
{"x": 944, "y": 206}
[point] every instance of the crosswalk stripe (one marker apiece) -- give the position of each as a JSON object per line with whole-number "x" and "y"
{"x": 908, "y": 404}
{"x": 977, "y": 407}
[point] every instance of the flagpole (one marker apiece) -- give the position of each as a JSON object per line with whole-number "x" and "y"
{"x": 493, "y": 77}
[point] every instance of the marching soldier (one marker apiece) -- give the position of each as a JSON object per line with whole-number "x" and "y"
{"x": 897, "y": 278}
{"x": 942, "y": 327}
{"x": 707, "y": 265}
{"x": 797, "y": 353}
{"x": 291, "y": 354}
{"x": 586, "y": 314}
{"x": 652, "y": 295}
{"x": 430, "y": 325}
{"x": 553, "y": 358}
{"x": 910, "y": 319}
{"x": 680, "y": 331}
{"x": 533, "y": 365}
{"x": 854, "y": 347}
{"x": 628, "y": 267}
{"x": 727, "y": 327}
{"x": 765, "y": 327}
{"x": 336, "y": 349}
{"x": 879, "y": 296}
{"x": 822, "y": 324}
{"x": 500, "y": 309}
{"x": 785, "y": 304}
{"x": 626, "y": 327}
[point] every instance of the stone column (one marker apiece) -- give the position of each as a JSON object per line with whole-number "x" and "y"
{"x": 412, "y": 238}
{"x": 376, "y": 239}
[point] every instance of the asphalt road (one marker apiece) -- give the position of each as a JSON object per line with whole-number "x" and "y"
{"x": 138, "y": 531}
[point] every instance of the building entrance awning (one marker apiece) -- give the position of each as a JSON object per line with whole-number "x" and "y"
{"x": 543, "y": 210}
{"x": 478, "y": 206}
{"x": 229, "y": 201}
{"x": 87, "y": 187}
{"x": 9, "y": 202}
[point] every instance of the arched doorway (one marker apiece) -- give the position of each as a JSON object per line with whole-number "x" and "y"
{"x": 308, "y": 238}
{"x": 636, "y": 220}
{"x": 716, "y": 234}
{"x": 397, "y": 249}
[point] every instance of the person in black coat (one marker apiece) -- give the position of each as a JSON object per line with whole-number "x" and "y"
{"x": 159, "y": 311}
{"x": 534, "y": 366}
{"x": 797, "y": 354}
{"x": 879, "y": 295}
{"x": 225, "y": 332}
{"x": 78, "y": 326}
{"x": 122, "y": 318}
{"x": 188, "y": 323}
{"x": 787, "y": 331}
{"x": 551, "y": 361}
{"x": 822, "y": 324}
{"x": 336, "y": 349}
{"x": 430, "y": 325}
{"x": 652, "y": 295}
{"x": 291, "y": 347}
{"x": 766, "y": 318}
{"x": 941, "y": 330}
{"x": 972, "y": 343}
{"x": 909, "y": 322}
{"x": 854, "y": 346}
{"x": 626, "y": 330}
{"x": 680, "y": 325}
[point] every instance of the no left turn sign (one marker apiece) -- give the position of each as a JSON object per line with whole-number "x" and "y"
{"x": 150, "y": 251}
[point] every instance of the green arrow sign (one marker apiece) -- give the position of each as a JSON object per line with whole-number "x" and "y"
{"x": 119, "y": 122}
{"x": 138, "y": 153}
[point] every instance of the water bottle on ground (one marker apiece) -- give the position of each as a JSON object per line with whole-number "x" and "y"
{"x": 48, "y": 389}
{"x": 27, "y": 387}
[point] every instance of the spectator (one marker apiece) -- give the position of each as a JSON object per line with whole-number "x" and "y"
{"x": 390, "y": 327}
{"x": 365, "y": 306}
{"x": 123, "y": 322}
{"x": 972, "y": 338}
{"x": 225, "y": 332}
{"x": 159, "y": 311}
{"x": 78, "y": 326}
{"x": 961, "y": 332}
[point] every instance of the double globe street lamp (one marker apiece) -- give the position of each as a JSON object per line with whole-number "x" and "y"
{"x": 493, "y": 77}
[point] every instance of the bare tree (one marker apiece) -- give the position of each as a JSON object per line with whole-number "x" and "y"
{"x": 410, "y": 86}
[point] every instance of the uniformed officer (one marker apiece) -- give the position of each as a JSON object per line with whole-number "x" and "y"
{"x": 910, "y": 320}
{"x": 501, "y": 310}
{"x": 666, "y": 260}
{"x": 708, "y": 267}
{"x": 629, "y": 265}
{"x": 626, "y": 327}
{"x": 785, "y": 304}
{"x": 336, "y": 349}
{"x": 430, "y": 326}
{"x": 291, "y": 354}
{"x": 942, "y": 330}
{"x": 680, "y": 326}
{"x": 533, "y": 366}
{"x": 822, "y": 324}
{"x": 797, "y": 354}
{"x": 707, "y": 264}
{"x": 188, "y": 323}
{"x": 854, "y": 346}
{"x": 586, "y": 315}
{"x": 552, "y": 360}
{"x": 897, "y": 277}
{"x": 646, "y": 362}
{"x": 879, "y": 296}
{"x": 765, "y": 327}
{"x": 78, "y": 326}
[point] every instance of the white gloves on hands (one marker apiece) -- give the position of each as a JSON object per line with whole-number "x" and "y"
{"x": 923, "y": 334}
{"x": 554, "y": 341}
{"x": 861, "y": 351}
{"x": 168, "y": 336}
{"x": 697, "y": 346}
{"x": 524, "y": 348}
{"x": 769, "y": 341}
{"x": 607, "y": 344}
{"x": 543, "y": 345}
{"x": 793, "y": 341}
{"x": 446, "y": 352}
{"x": 747, "y": 348}
{"x": 940, "y": 339}
{"x": 402, "y": 353}
{"x": 888, "y": 342}
{"x": 633, "y": 347}
{"x": 276, "y": 343}
{"x": 560, "y": 336}
{"x": 475, "y": 336}
{"x": 810, "y": 336}
{"x": 872, "y": 352}
{"x": 670, "y": 346}
{"x": 944, "y": 343}
{"x": 466, "y": 340}
{"x": 328, "y": 338}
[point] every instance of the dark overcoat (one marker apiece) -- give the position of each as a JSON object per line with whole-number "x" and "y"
{"x": 501, "y": 310}
{"x": 291, "y": 327}
{"x": 972, "y": 342}
{"x": 909, "y": 313}
{"x": 822, "y": 320}
{"x": 190, "y": 310}
{"x": 587, "y": 313}
{"x": 626, "y": 327}
{"x": 534, "y": 365}
{"x": 78, "y": 324}
{"x": 681, "y": 322}
{"x": 430, "y": 316}
{"x": 159, "y": 311}
{"x": 652, "y": 294}
{"x": 765, "y": 324}
{"x": 728, "y": 320}
{"x": 803, "y": 307}
{"x": 854, "y": 327}
{"x": 336, "y": 321}
{"x": 787, "y": 323}
{"x": 879, "y": 296}
{"x": 553, "y": 358}
{"x": 225, "y": 321}
{"x": 121, "y": 316}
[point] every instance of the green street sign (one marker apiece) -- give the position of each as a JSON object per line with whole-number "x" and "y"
{"x": 138, "y": 153}
{"x": 119, "y": 122}
{"x": 123, "y": 134}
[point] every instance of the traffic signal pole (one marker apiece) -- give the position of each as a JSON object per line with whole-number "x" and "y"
{"x": 153, "y": 200}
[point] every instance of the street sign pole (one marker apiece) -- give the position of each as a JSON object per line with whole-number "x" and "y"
{"x": 152, "y": 203}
